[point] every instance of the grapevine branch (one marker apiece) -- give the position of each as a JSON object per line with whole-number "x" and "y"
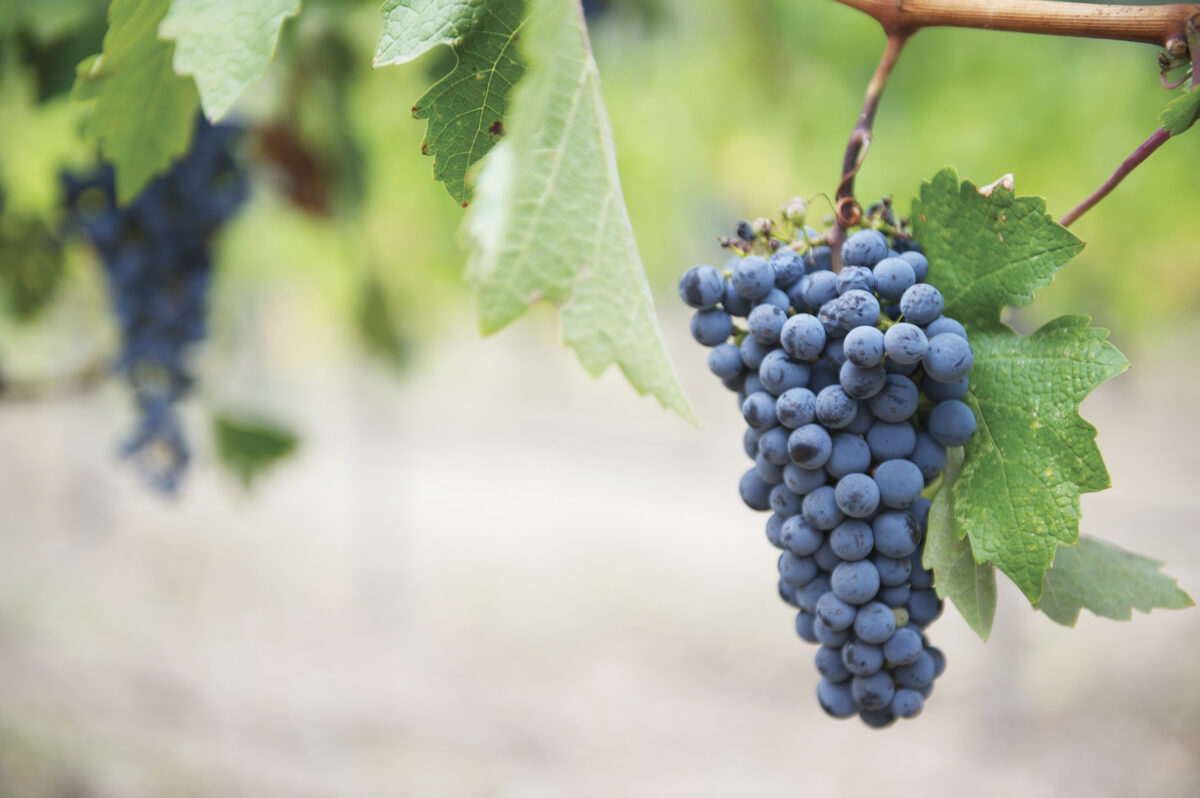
{"x": 1172, "y": 27}
{"x": 1161, "y": 25}
{"x": 1193, "y": 40}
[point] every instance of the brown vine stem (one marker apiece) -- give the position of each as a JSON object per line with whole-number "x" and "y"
{"x": 1161, "y": 25}
{"x": 1193, "y": 41}
{"x": 1143, "y": 152}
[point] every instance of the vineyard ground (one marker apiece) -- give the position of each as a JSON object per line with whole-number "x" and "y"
{"x": 498, "y": 579}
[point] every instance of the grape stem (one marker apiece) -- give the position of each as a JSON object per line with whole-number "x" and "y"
{"x": 846, "y": 210}
{"x": 1143, "y": 152}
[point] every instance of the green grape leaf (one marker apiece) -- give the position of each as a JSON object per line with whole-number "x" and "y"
{"x": 250, "y": 447}
{"x": 142, "y": 113}
{"x": 990, "y": 251}
{"x": 1109, "y": 581}
{"x": 956, "y": 575}
{"x": 1017, "y": 497}
{"x": 1181, "y": 113}
{"x": 550, "y": 222}
{"x": 224, "y": 44}
{"x": 413, "y": 27}
{"x": 466, "y": 109}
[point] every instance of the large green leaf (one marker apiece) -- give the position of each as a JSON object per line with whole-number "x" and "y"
{"x": 1017, "y": 498}
{"x": 550, "y": 221}
{"x": 956, "y": 574}
{"x": 990, "y": 251}
{"x": 1107, "y": 580}
{"x": 466, "y": 109}
{"x": 142, "y": 112}
{"x": 225, "y": 44}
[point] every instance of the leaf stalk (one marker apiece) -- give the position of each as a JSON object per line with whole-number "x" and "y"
{"x": 1144, "y": 150}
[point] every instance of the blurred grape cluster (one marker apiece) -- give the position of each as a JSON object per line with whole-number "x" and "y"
{"x": 158, "y": 263}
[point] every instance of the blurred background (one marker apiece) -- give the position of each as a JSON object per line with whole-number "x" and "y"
{"x": 481, "y": 573}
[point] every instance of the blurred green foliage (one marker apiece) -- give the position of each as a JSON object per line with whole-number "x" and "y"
{"x": 380, "y": 329}
{"x": 248, "y": 447}
{"x": 720, "y": 110}
{"x": 31, "y": 266}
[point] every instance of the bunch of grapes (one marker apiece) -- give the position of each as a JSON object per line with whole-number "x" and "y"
{"x": 158, "y": 263}
{"x": 851, "y": 384}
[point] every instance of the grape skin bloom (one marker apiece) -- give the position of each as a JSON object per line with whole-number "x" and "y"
{"x": 701, "y": 287}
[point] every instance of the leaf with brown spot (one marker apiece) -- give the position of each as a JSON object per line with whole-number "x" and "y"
{"x": 461, "y": 107}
